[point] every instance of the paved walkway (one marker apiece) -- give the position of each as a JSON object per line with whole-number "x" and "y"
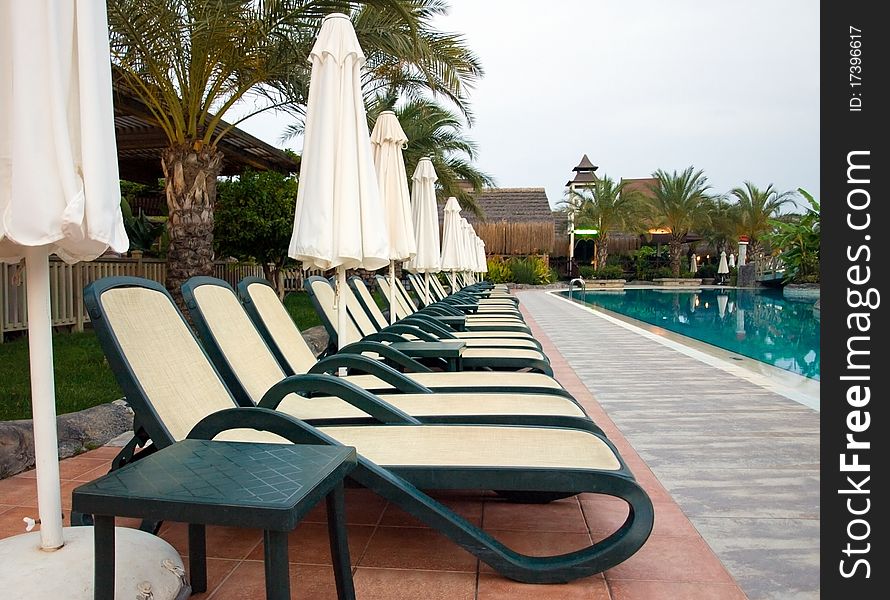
{"x": 741, "y": 461}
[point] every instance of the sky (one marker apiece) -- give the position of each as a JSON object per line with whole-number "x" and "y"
{"x": 730, "y": 87}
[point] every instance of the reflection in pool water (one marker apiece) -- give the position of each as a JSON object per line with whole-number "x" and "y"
{"x": 759, "y": 324}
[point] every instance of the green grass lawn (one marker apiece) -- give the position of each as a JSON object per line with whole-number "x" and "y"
{"x": 83, "y": 377}
{"x": 300, "y": 308}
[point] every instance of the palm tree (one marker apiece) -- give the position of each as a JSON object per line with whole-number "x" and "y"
{"x": 757, "y": 208}
{"x": 434, "y": 131}
{"x": 608, "y": 208}
{"x": 679, "y": 203}
{"x": 725, "y": 224}
{"x": 189, "y": 62}
{"x": 415, "y": 63}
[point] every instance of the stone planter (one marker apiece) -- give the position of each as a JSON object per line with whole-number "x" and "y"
{"x": 595, "y": 284}
{"x": 677, "y": 282}
{"x": 707, "y": 281}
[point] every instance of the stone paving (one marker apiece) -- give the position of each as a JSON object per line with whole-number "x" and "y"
{"x": 742, "y": 462}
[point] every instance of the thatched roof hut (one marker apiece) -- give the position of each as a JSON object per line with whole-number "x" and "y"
{"x": 515, "y": 221}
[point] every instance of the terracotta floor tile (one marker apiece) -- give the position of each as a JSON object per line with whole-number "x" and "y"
{"x": 307, "y": 582}
{"x": 222, "y": 542}
{"x": 470, "y": 509}
{"x": 539, "y": 543}
{"x": 363, "y": 507}
{"x": 605, "y": 514}
{"x": 309, "y": 544}
{"x": 496, "y": 587}
{"x": 665, "y": 558}
{"x": 673, "y": 590}
{"x": 11, "y": 519}
{"x": 562, "y": 515}
{"x": 67, "y": 488}
{"x": 94, "y": 473}
{"x": 73, "y": 467}
{"x": 106, "y": 452}
{"x": 415, "y": 548}
{"x": 18, "y": 491}
{"x": 396, "y": 584}
{"x": 218, "y": 569}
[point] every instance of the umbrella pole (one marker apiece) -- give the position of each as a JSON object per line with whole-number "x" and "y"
{"x": 453, "y": 281}
{"x": 392, "y": 292}
{"x": 43, "y": 399}
{"x": 341, "y": 308}
{"x": 426, "y": 288}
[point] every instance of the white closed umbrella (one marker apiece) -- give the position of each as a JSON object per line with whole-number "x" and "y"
{"x": 722, "y": 267}
{"x": 467, "y": 258}
{"x": 59, "y": 185}
{"x": 60, "y": 194}
{"x": 731, "y": 260}
{"x": 451, "y": 240}
{"x": 693, "y": 263}
{"x": 480, "y": 249}
{"x": 339, "y": 220}
{"x": 425, "y": 217}
{"x": 387, "y": 140}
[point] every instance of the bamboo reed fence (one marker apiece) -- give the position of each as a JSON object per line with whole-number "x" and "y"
{"x": 507, "y": 238}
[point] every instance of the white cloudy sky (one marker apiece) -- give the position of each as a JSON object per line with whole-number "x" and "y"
{"x": 729, "y": 86}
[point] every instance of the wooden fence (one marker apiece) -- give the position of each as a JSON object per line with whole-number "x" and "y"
{"x": 67, "y": 283}
{"x": 516, "y": 238}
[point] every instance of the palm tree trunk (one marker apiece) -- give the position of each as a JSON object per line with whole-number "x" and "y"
{"x": 190, "y": 186}
{"x": 676, "y": 250}
{"x": 602, "y": 251}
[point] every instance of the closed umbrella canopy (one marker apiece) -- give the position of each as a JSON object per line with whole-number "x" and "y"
{"x": 451, "y": 239}
{"x": 59, "y": 187}
{"x": 723, "y": 267}
{"x": 480, "y": 252}
{"x": 425, "y": 218}
{"x": 339, "y": 219}
{"x": 467, "y": 256}
{"x": 693, "y": 264}
{"x": 731, "y": 260}
{"x": 339, "y": 216}
{"x": 451, "y": 236}
{"x": 387, "y": 141}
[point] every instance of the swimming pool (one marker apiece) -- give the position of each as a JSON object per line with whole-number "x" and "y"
{"x": 759, "y": 324}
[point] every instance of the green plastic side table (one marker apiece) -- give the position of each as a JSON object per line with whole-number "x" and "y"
{"x": 201, "y": 482}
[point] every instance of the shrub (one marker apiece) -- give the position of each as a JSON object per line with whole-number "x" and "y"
{"x": 607, "y": 272}
{"x": 706, "y": 271}
{"x": 663, "y": 273}
{"x": 498, "y": 271}
{"x": 532, "y": 270}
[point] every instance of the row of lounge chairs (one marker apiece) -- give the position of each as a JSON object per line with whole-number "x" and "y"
{"x": 504, "y": 425}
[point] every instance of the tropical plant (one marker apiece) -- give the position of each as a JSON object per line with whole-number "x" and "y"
{"x": 498, "y": 270}
{"x": 756, "y": 209}
{"x": 254, "y": 220}
{"x": 679, "y": 203}
{"x": 724, "y": 227}
{"x": 607, "y": 207}
{"x": 190, "y": 62}
{"x": 799, "y": 242}
{"x": 434, "y": 131}
{"x": 604, "y": 272}
{"x": 530, "y": 270}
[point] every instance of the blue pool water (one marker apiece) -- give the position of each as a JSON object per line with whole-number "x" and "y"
{"x": 759, "y": 324}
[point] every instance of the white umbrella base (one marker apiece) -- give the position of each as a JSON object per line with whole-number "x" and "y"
{"x": 141, "y": 560}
